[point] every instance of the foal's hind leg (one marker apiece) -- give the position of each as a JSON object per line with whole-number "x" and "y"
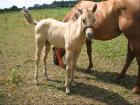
{"x": 89, "y": 52}
{"x": 39, "y": 46}
{"x": 47, "y": 49}
{"x": 129, "y": 59}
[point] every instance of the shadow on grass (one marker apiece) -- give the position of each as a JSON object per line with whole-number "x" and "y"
{"x": 110, "y": 77}
{"x": 100, "y": 94}
{"x": 92, "y": 92}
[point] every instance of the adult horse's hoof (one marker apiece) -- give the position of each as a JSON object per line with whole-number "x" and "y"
{"x": 89, "y": 68}
{"x": 136, "y": 89}
{"x": 63, "y": 66}
{"x": 88, "y": 71}
{"x": 118, "y": 79}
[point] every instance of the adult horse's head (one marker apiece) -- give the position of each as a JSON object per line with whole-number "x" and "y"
{"x": 87, "y": 21}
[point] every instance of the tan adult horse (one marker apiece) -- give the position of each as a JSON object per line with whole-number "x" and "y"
{"x": 114, "y": 17}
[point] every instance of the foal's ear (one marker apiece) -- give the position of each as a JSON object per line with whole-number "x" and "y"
{"x": 94, "y": 8}
{"x": 78, "y": 12}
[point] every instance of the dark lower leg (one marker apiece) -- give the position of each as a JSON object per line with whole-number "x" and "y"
{"x": 60, "y": 60}
{"x": 136, "y": 88}
{"x": 55, "y": 60}
{"x": 129, "y": 59}
{"x": 89, "y": 52}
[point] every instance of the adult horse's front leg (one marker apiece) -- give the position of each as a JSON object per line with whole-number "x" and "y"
{"x": 89, "y": 52}
{"x": 129, "y": 59}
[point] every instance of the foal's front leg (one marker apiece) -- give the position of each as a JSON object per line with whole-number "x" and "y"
{"x": 74, "y": 62}
{"x": 68, "y": 71}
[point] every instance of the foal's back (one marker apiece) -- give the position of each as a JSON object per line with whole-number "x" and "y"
{"x": 52, "y": 31}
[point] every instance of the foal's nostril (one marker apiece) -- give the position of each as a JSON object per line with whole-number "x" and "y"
{"x": 90, "y": 35}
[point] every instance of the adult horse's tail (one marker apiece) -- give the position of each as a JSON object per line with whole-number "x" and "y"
{"x": 28, "y": 16}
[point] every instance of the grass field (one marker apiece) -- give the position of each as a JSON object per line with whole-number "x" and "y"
{"x": 95, "y": 88}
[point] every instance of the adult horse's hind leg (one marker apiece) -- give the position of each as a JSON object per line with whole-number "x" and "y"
{"x": 129, "y": 59}
{"x": 59, "y": 56}
{"x": 47, "y": 49}
{"x": 136, "y": 88}
{"x": 136, "y": 50}
{"x": 89, "y": 52}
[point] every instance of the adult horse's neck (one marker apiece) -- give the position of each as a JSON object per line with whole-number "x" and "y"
{"x": 106, "y": 17}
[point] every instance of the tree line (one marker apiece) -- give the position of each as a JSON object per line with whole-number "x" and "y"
{"x": 54, "y": 4}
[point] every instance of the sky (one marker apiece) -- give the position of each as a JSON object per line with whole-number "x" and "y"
{"x": 21, "y": 3}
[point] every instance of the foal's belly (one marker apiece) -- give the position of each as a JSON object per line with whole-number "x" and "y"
{"x": 57, "y": 41}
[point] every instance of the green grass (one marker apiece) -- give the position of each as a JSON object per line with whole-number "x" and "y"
{"x": 96, "y": 88}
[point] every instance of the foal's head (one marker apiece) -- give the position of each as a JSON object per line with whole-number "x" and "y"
{"x": 87, "y": 20}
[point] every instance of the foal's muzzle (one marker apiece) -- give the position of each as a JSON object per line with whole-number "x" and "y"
{"x": 90, "y": 36}
{"x": 89, "y": 32}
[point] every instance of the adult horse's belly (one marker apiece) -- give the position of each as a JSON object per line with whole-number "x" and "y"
{"x": 105, "y": 37}
{"x": 106, "y": 34}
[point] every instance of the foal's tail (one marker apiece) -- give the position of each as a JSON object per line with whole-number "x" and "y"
{"x": 28, "y": 16}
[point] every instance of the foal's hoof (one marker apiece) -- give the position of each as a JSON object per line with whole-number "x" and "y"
{"x": 36, "y": 83}
{"x": 136, "y": 89}
{"x": 46, "y": 77}
{"x": 67, "y": 91}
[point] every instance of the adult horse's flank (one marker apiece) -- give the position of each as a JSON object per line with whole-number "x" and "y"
{"x": 112, "y": 18}
{"x": 72, "y": 36}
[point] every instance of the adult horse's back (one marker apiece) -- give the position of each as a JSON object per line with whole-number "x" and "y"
{"x": 112, "y": 18}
